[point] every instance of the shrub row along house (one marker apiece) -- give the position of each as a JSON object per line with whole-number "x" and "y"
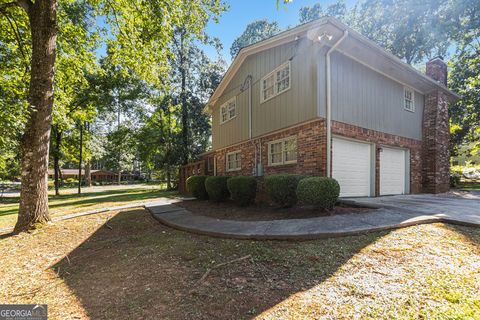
{"x": 322, "y": 100}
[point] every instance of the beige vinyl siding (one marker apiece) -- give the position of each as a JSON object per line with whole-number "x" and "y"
{"x": 368, "y": 99}
{"x": 296, "y": 105}
{"x": 235, "y": 129}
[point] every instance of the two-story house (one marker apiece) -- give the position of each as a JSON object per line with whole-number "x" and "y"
{"x": 323, "y": 100}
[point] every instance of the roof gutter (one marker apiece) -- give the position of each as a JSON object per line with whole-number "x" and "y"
{"x": 329, "y": 102}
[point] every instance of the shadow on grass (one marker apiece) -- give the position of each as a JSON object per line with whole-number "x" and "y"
{"x": 132, "y": 196}
{"x": 8, "y": 212}
{"x": 13, "y": 200}
{"x": 92, "y": 198}
{"x": 9, "y": 200}
{"x": 100, "y": 193}
{"x": 138, "y": 268}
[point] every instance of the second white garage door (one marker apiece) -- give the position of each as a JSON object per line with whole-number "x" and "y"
{"x": 351, "y": 167}
{"x": 392, "y": 171}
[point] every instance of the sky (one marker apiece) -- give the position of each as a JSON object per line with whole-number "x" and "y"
{"x": 242, "y": 12}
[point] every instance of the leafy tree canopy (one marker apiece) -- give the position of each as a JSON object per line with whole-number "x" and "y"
{"x": 254, "y": 32}
{"x": 465, "y": 114}
{"x": 337, "y": 10}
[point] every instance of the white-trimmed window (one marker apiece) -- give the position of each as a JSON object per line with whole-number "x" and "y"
{"x": 409, "y": 99}
{"x": 282, "y": 151}
{"x": 228, "y": 110}
{"x": 234, "y": 161}
{"x": 275, "y": 82}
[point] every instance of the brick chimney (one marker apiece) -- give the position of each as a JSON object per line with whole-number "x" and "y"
{"x": 436, "y": 132}
{"x": 437, "y": 70}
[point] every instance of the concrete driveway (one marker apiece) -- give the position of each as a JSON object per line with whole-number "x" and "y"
{"x": 392, "y": 212}
{"x": 460, "y": 206}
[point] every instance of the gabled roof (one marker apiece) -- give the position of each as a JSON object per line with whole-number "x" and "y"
{"x": 356, "y": 46}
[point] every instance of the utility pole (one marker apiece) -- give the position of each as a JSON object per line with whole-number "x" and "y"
{"x": 88, "y": 162}
{"x": 80, "y": 160}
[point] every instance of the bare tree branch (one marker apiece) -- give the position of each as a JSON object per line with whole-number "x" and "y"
{"x": 14, "y": 26}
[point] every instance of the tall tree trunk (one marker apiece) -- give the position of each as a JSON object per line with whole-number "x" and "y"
{"x": 88, "y": 173}
{"x": 119, "y": 177}
{"x": 35, "y": 141}
{"x": 169, "y": 178}
{"x": 183, "y": 96}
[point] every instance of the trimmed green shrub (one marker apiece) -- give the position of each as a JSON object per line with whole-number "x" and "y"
{"x": 242, "y": 189}
{"x": 454, "y": 178}
{"x": 217, "y": 189}
{"x": 322, "y": 192}
{"x": 281, "y": 188}
{"x": 196, "y": 186}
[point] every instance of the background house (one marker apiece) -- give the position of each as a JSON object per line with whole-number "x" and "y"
{"x": 97, "y": 175}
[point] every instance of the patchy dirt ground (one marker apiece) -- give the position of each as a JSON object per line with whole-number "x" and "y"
{"x": 131, "y": 267}
{"x": 260, "y": 212}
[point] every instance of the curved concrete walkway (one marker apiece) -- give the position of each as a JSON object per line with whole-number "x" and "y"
{"x": 393, "y": 212}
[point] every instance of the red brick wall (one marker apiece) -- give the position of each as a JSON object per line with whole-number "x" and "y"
{"x": 437, "y": 70}
{"x": 436, "y": 139}
{"x": 310, "y": 157}
{"x": 436, "y": 133}
{"x": 311, "y": 146}
{"x": 192, "y": 169}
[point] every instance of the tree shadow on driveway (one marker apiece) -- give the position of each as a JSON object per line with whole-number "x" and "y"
{"x": 134, "y": 267}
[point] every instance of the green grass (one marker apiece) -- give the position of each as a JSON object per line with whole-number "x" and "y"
{"x": 469, "y": 186}
{"x": 91, "y": 198}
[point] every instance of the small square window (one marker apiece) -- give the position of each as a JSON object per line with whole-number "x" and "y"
{"x": 282, "y": 151}
{"x": 290, "y": 150}
{"x": 275, "y": 153}
{"x": 210, "y": 164}
{"x": 234, "y": 161}
{"x": 283, "y": 79}
{"x": 276, "y": 82}
{"x": 228, "y": 110}
{"x": 268, "y": 87}
{"x": 224, "y": 114}
{"x": 409, "y": 99}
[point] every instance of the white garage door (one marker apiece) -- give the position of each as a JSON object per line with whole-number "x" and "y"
{"x": 351, "y": 167}
{"x": 392, "y": 171}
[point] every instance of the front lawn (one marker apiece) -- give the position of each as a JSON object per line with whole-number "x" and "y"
{"x": 91, "y": 198}
{"x": 132, "y": 267}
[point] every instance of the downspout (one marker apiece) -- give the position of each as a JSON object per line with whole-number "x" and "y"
{"x": 329, "y": 103}
{"x": 249, "y": 79}
{"x": 248, "y": 82}
{"x": 214, "y": 164}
